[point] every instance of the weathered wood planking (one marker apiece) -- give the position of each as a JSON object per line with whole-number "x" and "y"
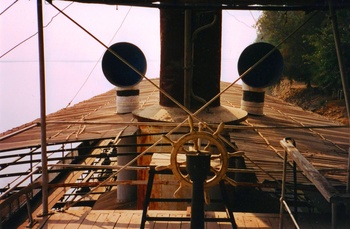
{"x": 325, "y": 188}
{"x": 322, "y": 147}
{"x": 125, "y": 219}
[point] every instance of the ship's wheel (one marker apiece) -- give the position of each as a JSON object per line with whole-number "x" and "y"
{"x": 200, "y": 142}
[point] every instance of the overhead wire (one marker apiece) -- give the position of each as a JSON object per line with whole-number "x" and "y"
{"x": 160, "y": 89}
{"x": 8, "y": 7}
{"x": 242, "y": 22}
{"x": 28, "y": 38}
{"x": 14, "y": 47}
{"x": 97, "y": 62}
{"x": 89, "y": 75}
{"x": 129, "y": 65}
{"x": 251, "y": 14}
{"x": 191, "y": 115}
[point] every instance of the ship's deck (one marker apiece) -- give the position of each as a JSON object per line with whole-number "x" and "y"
{"x": 131, "y": 219}
{"x": 321, "y": 141}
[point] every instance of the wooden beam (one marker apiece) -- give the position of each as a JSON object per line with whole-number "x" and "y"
{"x": 110, "y": 183}
{"x": 228, "y": 4}
{"x": 320, "y": 182}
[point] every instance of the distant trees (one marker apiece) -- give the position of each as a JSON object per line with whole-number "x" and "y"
{"x": 309, "y": 54}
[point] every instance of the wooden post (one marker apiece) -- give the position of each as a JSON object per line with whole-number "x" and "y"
{"x": 44, "y": 175}
{"x": 188, "y": 60}
{"x": 198, "y": 166}
{"x": 126, "y": 193}
{"x": 345, "y": 82}
{"x": 283, "y": 189}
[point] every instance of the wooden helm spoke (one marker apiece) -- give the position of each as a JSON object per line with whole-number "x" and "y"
{"x": 206, "y": 148}
{"x": 196, "y": 145}
{"x": 215, "y": 157}
{"x": 183, "y": 150}
{"x": 213, "y": 170}
{"x": 199, "y": 142}
{"x": 206, "y": 197}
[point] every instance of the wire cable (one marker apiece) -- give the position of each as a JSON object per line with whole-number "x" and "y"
{"x": 28, "y": 38}
{"x": 242, "y": 22}
{"x": 88, "y": 77}
{"x": 8, "y": 7}
{"x": 10, "y": 50}
{"x": 192, "y": 115}
{"x": 251, "y": 14}
{"x": 128, "y": 64}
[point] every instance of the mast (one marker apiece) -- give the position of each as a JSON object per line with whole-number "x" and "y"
{"x": 42, "y": 108}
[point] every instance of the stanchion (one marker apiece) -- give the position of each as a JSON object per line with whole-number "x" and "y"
{"x": 198, "y": 167}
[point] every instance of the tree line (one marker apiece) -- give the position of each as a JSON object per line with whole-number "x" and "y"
{"x": 309, "y": 53}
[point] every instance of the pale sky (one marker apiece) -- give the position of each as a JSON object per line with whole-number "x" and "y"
{"x": 73, "y": 57}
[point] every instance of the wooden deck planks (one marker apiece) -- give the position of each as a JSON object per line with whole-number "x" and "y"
{"x": 162, "y": 224}
{"x": 259, "y": 144}
{"x": 316, "y": 144}
{"x": 123, "y": 221}
{"x": 75, "y": 221}
{"x": 127, "y": 219}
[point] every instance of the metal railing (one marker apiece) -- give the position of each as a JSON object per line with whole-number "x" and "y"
{"x": 12, "y": 204}
{"x": 283, "y": 203}
{"x": 330, "y": 194}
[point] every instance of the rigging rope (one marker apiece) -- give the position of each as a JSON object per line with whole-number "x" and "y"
{"x": 165, "y": 93}
{"x": 242, "y": 22}
{"x": 114, "y": 174}
{"x": 170, "y": 97}
{"x": 28, "y": 38}
{"x": 115, "y": 34}
{"x": 311, "y": 130}
{"x": 8, "y": 7}
{"x": 125, "y": 62}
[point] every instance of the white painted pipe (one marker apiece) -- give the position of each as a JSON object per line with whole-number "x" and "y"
{"x": 126, "y": 193}
{"x": 127, "y": 99}
{"x": 253, "y": 100}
